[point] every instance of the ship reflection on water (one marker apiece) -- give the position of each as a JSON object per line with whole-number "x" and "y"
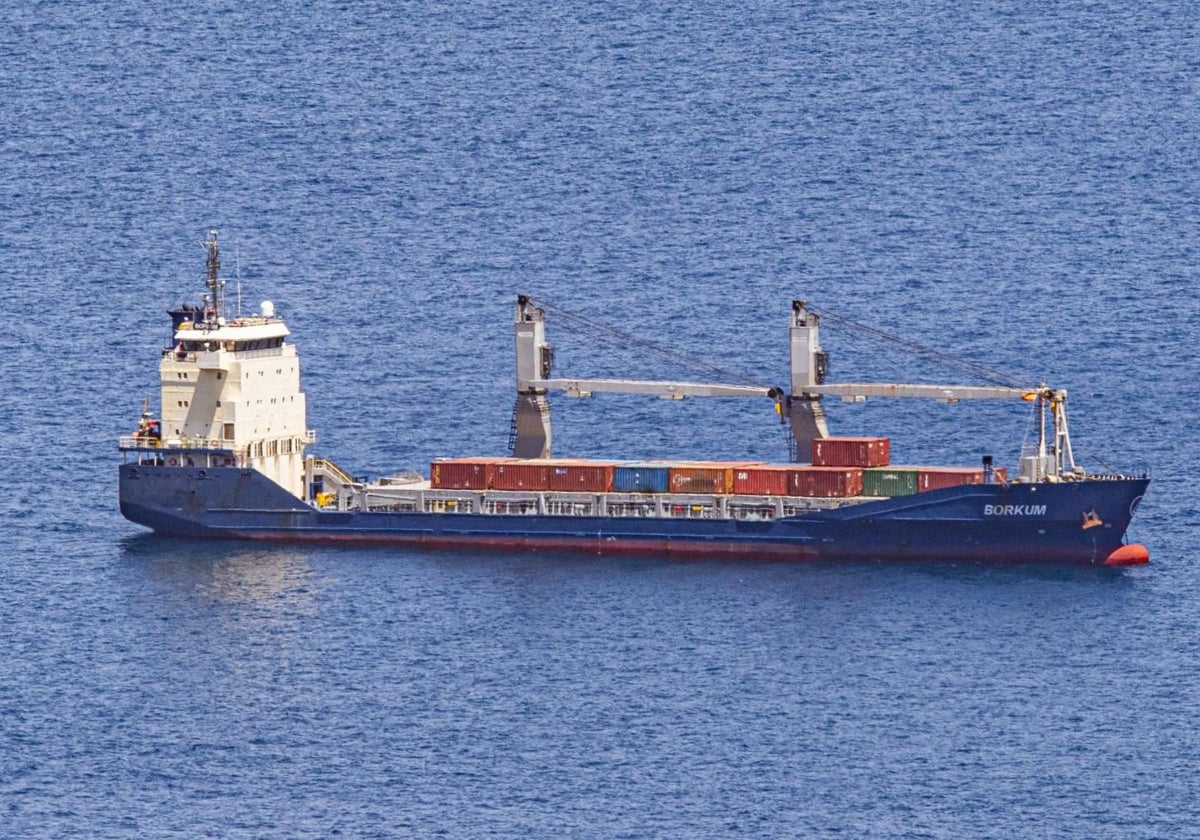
{"x": 226, "y": 572}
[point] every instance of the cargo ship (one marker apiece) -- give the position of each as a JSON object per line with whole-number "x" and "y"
{"x": 227, "y": 458}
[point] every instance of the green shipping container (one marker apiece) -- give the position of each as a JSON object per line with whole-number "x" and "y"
{"x": 890, "y": 481}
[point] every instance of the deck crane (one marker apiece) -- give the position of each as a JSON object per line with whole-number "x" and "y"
{"x": 801, "y": 408}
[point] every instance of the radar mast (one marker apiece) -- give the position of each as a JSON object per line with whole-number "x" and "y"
{"x": 214, "y": 298}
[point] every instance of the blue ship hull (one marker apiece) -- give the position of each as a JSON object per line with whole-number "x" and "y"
{"x": 1081, "y": 522}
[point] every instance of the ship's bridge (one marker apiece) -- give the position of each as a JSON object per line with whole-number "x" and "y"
{"x": 212, "y": 347}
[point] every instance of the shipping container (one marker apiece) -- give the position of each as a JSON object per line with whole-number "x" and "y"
{"x": 935, "y": 478}
{"x": 715, "y": 477}
{"x": 464, "y": 473}
{"x": 826, "y": 482}
{"x": 579, "y": 476}
{"x": 851, "y": 452}
{"x": 762, "y": 480}
{"x": 641, "y": 478}
{"x": 891, "y": 481}
{"x": 531, "y": 474}
{"x": 709, "y": 478}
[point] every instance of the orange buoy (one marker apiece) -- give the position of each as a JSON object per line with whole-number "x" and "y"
{"x": 1134, "y": 554}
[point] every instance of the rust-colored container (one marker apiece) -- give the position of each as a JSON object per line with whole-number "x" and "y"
{"x": 518, "y": 474}
{"x": 464, "y": 473}
{"x": 580, "y": 476}
{"x": 826, "y": 482}
{"x": 851, "y": 452}
{"x": 762, "y": 480}
{"x": 702, "y": 477}
{"x": 935, "y": 478}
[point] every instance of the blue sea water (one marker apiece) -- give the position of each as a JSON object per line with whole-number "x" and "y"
{"x": 1012, "y": 182}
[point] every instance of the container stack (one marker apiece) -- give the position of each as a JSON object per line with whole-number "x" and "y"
{"x": 904, "y": 481}
{"x": 841, "y": 467}
{"x": 838, "y": 464}
{"x": 935, "y": 478}
{"x": 560, "y": 475}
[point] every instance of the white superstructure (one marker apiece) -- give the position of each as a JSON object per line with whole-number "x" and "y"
{"x": 234, "y": 386}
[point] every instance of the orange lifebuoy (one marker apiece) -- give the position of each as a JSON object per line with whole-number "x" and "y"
{"x": 214, "y": 444}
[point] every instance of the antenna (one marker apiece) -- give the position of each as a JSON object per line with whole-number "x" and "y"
{"x": 237, "y": 261}
{"x": 214, "y": 309}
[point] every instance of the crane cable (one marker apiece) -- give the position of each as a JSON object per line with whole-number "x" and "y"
{"x": 613, "y": 334}
{"x": 989, "y": 375}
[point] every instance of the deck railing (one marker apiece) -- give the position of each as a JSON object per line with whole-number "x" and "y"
{"x": 332, "y": 469}
{"x": 135, "y": 442}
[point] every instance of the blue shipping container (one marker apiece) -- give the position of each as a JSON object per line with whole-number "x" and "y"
{"x": 640, "y": 478}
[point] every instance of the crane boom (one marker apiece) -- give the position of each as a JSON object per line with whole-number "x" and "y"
{"x": 950, "y": 393}
{"x": 665, "y": 390}
{"x": 801, "y": 409}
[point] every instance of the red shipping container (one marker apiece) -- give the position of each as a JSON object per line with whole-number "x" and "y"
{"x": 580, "y": 476}
{"x": 935, "y": 478}
{"x": 826, "y": 482}
{"x": 851, "y": 452}
{"x": 522, "y": 475}
{"x": 762, "y": 480}
{"x": 463, "y": 473}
